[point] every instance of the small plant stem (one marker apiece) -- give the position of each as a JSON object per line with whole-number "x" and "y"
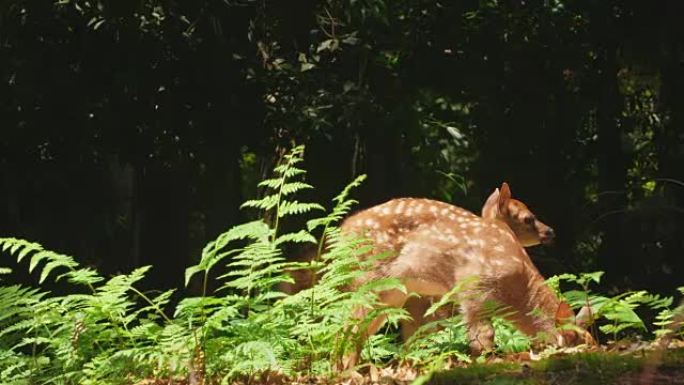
{"x": 277, "y": 211}
{"x": 316, "y": 259}
{"x": 204, "y": 295}
{"x": 154, "y": 305}
{"x": 204, "y": 284}
{"x": 35, "y": 360}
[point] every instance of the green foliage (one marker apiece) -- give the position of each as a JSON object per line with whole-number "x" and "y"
{"x": 508, "y": 339}
{"x": 107, "y": 331}
{"x": 76, "y": 338}
{"x": 617, "y": 315}
{"x": 435, "y": 341}
{"x": 671, "y": 321}
{"x": 53, "y": 261}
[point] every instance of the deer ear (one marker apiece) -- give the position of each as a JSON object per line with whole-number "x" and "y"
{"x": 504, "y": 197}
{"x": 564, "y": 314}
{"x": 490, "y": 206}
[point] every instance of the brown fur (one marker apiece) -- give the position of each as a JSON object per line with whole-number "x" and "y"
{"x": 528, "y": 229}
{"x": 431, "y": 257}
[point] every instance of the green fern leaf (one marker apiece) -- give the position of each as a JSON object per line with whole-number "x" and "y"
{"x": 16, "y": 246}
{"x": 294, "y": 187}
{"x": 301, "y": 236}
{"x": 265, "y": 203}
{"x": 26, "y": 250}
{"x": 190, "y": 272}
{"x": 292, "y": 172}
{"x": 254, "y": 230}
{"x": 84, "y": 276}
{"x": 7, "y": 243}
{"x": 295, "y": 207}
{"x": 37, "y": 257}
{"x": 49, "y": 267}
{"x": 272, "y": 183}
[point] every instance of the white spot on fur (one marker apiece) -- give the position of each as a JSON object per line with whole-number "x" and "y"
{"x": 383, "y": 237}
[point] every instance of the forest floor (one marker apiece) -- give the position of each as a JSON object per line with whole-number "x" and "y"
{"x": 627, "y": 364}
{"x": 643, "y": 367}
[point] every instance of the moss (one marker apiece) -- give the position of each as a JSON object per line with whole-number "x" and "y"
{"x": 584, "y": 368}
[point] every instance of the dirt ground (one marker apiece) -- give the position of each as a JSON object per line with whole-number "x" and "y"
{"x": 640, "y": 365}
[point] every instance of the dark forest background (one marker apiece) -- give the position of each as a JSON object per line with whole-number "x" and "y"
{"x": 131, "y": 131}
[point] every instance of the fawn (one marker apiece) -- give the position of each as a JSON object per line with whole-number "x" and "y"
{"x": 527, "y": 228}
{"x": 529, "y": 231}
{"x": 435, "y": 246}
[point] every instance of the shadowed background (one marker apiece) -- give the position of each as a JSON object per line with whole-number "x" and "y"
{"x": 131, "y": 131}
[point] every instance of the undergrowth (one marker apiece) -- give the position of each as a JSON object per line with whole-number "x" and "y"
{"x": 109, "y": 332}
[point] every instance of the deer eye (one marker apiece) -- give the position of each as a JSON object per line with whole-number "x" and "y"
{"x": 529, "y": 220}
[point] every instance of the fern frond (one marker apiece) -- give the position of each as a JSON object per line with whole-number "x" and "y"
{"x": 291, "y": 172}
{"x": 266, "y": 203}
{"x": 273, "y": 183}
{"x": 296, "y": 208}
{"x": 16, "y": 299}
{"x": 343, "y": 196}
{"x": 84, "y": 276}
{"x": 302, "y": 236}
{"x": 342, "y": 207}
{"x": 254, "y": 230}
{"x": 294, "y": 187}
{"x": 189, "y": 308}
{"x": 22, "y": 248}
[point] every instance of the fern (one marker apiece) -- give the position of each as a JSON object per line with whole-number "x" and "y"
{"x": 77, "y": 338}
{"x": 110, "y": 332}
{"x": 617, "y": 314}
{"x": 670, "y": 321}
{"x": 21, "y": 249}
{"x": 282, "y": 187}
{"x": 248, "y": 316}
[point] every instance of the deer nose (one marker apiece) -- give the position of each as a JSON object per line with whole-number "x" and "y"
{"x": 549, "y": 234}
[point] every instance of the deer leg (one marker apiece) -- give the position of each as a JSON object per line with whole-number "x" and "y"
{"x": 479, "y": 328}
{"x": 416, "y": 307}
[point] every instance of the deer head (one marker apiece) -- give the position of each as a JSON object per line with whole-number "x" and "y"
{"x": 528, "y": 229}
